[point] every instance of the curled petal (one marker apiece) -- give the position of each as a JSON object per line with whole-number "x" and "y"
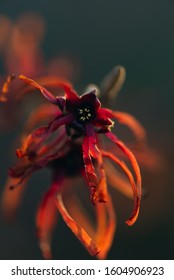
{"x": 59, "y": 121}
{"x": 51, "y": 81}
{"x": 23, "y": 171}
{"x": 150, "y": 158}
{"x": 54, "y": 145}
{"x": 127, "y": 119}
{"x": 20, "y": 168}
{"x": 70, "y": 93}
{"x": 54, "y": 81}
{"x": 34, "y": 140}
{"x": 46, "y": 219}
{"x": 77, "y": 210}
{"x": 117, "y": 180}
{"x": 48, "y": 95}
{"x": 43, "y": 161}
{"x": 123, "y": 166}
{"x": 80, "y": 233}
{"x": 106, "y": 226}
{"x": 45, "y": 112}
{"x": 132, "y": 159}
{"x": 46, "y": 81}
{"x": 103, "y": 232}
{"x": 130, "y": 121}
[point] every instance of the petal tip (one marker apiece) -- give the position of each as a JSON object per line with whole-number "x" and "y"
{"x": 129, "y": 222}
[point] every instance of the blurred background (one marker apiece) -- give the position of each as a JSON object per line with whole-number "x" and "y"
{"x": 83, "y": 40}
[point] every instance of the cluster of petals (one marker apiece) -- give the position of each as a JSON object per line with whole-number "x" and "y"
{"x": 71, "y": 144}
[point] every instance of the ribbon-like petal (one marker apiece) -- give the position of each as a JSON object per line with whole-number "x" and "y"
{"x": 79, "y": 232}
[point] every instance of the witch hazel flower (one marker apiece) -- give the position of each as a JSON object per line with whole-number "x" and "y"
{"x": 71, "y": 145}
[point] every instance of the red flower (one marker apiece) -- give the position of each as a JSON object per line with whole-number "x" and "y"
{"x": 71, "y": 145}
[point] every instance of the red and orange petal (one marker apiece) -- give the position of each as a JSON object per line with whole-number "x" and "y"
{"x": 127, "y": 119}
{"x": 96, "y": 154}
{"x": 48, "y": 95}
{"x": 102, "y": 233}
{"x": 137, "y": 190}
{"x": 70, "y": 93}
{"x": 89, "y": 169}
{"x": 43, "y": 113}
{"x": 127, "y": 172}
{"x": 46, "y": 219}
{"x": 100, "y": 121}
{"x": 78, "y": 212}
{"x": 79, "y": 232}
{"x": 35, "y": 140}
{"x": 132, "y": 123}
{"x": 11, "y": 199}
{"x": 32, "y": 141}
{"x": 53, "y": 145}
{"x": 5, "y": 88}
{"x": 117, "y": 180}
{"x": 106, "y": 226}
{"x": 130, "y": 157}
{"x": 45, "y": 81}
{"x": 26, "y": 168}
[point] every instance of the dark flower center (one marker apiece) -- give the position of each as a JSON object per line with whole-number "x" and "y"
{"x": 85, "y": 114}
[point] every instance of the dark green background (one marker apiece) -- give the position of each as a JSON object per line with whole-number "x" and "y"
{"x": 138, "y": 34}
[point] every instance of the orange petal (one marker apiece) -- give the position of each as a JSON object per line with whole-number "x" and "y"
{"x": 45, "y": 222}
{"x": 78, "y": 212}
{"x": 11, "y": 199}
{"x": 61, "y": 83}
{"x": 102, "y": 232}
{"x": 54, "y": 145}
{"x": 131, "y": 122}
{"x": 48, "y": 95}
{"x": 44, "y": 112}
{"x": 150, "y": 158}
{"x": 45, "y": 81}
{"x": 117, "y": 180}
{"x": 80, "y": 233}
{"x": 131, "y": 158}
{"x": 126, "y": 119}
{"x": 106, "y": 226}
{"x": 35, "y": 139}
{"x": 5, "y": 88}
{"x": 124, "y": 167}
